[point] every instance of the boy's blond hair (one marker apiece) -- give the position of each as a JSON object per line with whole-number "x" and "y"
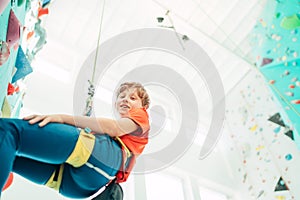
{"x": 141, "y": 91}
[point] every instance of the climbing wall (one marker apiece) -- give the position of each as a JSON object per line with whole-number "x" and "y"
{"x": 21, "y": 37}
{"x": 276, "y": 39}
{"x": 269, "y": 158}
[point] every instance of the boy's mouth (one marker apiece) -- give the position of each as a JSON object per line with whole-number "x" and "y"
{"x": 124, "y": 106}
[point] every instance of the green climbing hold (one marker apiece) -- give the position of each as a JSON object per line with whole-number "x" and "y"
{"x": 20, "y": 2}
{"x": 290, "y": 22}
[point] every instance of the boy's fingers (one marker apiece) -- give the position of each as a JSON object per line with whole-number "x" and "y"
{"x": 35, "y": 119}
{"x": 43, "y": 119}
{"x": 29, "y": 117}
{"x": 44, "y": 122}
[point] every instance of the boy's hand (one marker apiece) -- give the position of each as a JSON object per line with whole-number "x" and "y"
{"x": 44, "y": 119}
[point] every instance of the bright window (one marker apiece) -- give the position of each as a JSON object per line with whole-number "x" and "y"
{"x": 208, "y": 194}
{"x": 162, "y": 186}
{"x": 128, "y": 188}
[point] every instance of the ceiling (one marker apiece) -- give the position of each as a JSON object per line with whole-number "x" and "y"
{"x": 73, "y": 28}
{"x": 220, "y": 27}
{"x": 249, "y": 157}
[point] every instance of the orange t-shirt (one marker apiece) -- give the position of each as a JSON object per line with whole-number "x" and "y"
{"x": 137, "y": 140}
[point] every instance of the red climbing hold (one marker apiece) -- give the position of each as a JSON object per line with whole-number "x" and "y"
{"x": 292, "y": 86}
{"x": 8, "y": 181}
{"x": 297, "y": 101}
{"x": 272, "y": 82}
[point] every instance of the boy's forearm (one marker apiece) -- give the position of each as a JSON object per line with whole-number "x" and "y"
{"x": 98, "y": 125}
{"x": 68, "y": 119}
{"x": 79, "y": 121}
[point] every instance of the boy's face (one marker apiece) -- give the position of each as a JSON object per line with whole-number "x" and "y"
{"x": 127, "y": 100}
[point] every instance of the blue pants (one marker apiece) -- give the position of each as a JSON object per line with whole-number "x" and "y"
{"x": 35, "y": 153}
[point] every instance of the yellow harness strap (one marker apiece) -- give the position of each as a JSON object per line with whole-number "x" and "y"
{"x": 80, "y": 155}
{"x": 124, "y": 146}
{"x": 55, "y": 181}
{"x": 83, "y": 149}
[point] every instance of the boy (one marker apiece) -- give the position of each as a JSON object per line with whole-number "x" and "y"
{"x": 51, "y": 150}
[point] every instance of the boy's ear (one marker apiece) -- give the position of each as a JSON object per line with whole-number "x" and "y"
{"x": 146, "y": 106}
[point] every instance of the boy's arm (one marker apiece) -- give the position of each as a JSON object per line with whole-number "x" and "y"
{"x": 103, "y": 125}
{"x": 99, "y": 125}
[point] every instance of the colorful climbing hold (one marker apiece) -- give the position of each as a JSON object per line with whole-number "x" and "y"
{"x": 3, "y": 5}
{"x": 277, "y": 130}
{"x": 290, "y": 134}
{"x": 292, "y": 86}
{"x": 295, "y": 54}
{"x": 266, "y": 61}
{"x": 263, "y": 23}
{"x": 259, "y": 148}
{"x": 288, "y": 157}
{"x": 276, "y": 37}
{"x": 276, "y": 118}
{"x": 283, "y": 58}
{"x": 8, "y": 181}
{"x": 280, "y": 197}
{"x": 291, "y": 94}
{"x": 295, "y": 31}
{"x": 281, "y": 186}
{"x": 260, "y": 193}
{"x": 4, "y": 52}
{"x": 253, "y": 128}
{"x": 272, "y": 82}
{"x": 294, "y": 79}
{"x": 290, "y": 22}
{"x": 297, "y": 101}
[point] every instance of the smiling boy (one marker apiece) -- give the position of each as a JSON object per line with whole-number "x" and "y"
{"x": 51, "y": 150}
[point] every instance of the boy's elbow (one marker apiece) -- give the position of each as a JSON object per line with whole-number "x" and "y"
{"x": 120, "y": 127}
{"x": 115, "y": 131}
{"x": 118, "y": 132}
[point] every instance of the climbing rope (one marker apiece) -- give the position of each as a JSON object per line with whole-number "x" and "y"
{"x": 91, "y": 90}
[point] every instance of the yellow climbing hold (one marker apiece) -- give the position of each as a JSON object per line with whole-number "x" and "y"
{"x": 280, "y": 197}
{"x": 253, "y": 128}
{"x": 259, "y": 148}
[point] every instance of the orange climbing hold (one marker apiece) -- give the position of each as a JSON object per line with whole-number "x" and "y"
{"x": 9, "y": 181}
{"x": 272, "y": 82}
{"x": 297, "y": 101}
{"x": 292, "y": 86}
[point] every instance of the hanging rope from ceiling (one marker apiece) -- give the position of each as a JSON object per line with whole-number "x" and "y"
{"x": 91, "y": 90}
